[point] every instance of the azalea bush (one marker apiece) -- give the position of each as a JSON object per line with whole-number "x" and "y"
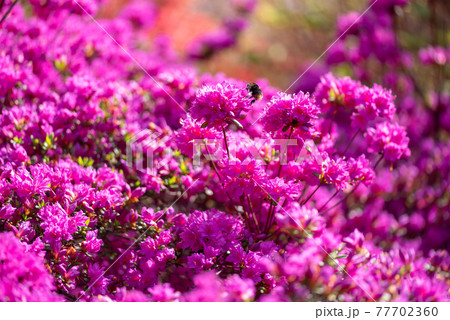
{"x": 127, "y": 175}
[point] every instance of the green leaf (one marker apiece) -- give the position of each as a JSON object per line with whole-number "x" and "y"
{"x": 331, "y": 95}
{"x": 237, "y": 123}
{"x": 172, "y": 180}
{"x": 48, "y": 142}
{"x": 17, "y": 140}
{"x": 183, "y": 168}
{"x": 60, "y": 65}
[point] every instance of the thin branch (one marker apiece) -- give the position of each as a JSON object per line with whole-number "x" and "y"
{"x": 312, "y": 193}
{"x": 226, "y": 143}
{"x": 350, "y": 143}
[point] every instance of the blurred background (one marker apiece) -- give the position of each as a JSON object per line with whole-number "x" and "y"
{"x": 281, "y": 38}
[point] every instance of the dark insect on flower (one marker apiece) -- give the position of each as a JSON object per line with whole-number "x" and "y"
{"x": 255, "y": 91}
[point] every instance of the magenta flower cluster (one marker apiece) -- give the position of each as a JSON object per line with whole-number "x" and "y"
{"x": 217, "y": 105}
{"x": 112, "y": 187}
{"x": 285, "y": 112}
